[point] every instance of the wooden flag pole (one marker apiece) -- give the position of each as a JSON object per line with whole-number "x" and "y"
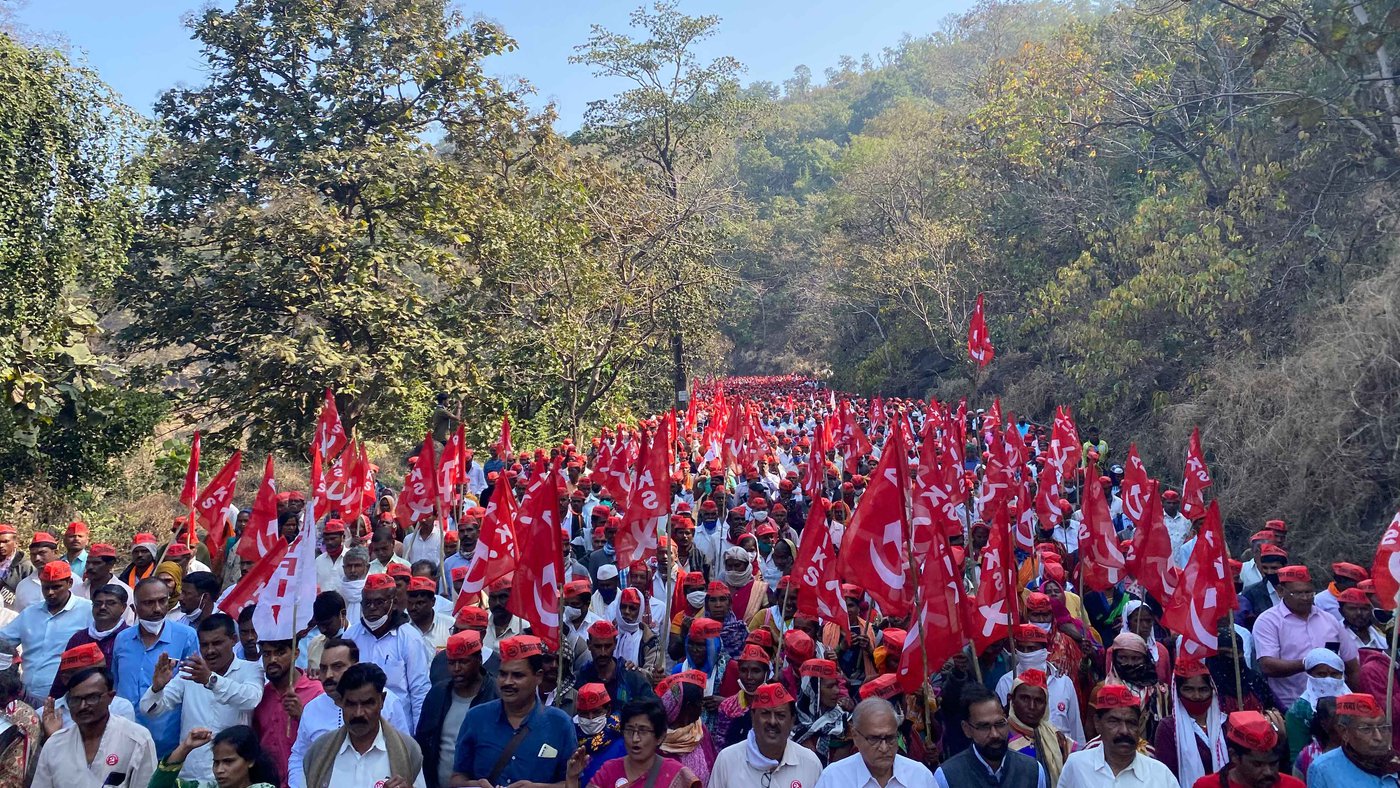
{"x": 1390, "y": 676}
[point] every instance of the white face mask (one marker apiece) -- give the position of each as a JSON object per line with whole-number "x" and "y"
{"x": 376, "y": 623}
{"x": 1044, "y": 626}
{"x": 696, "y": 598}
{"x": 352, "y": 590}
{"x": 591, "y": 726}
{"x": 760, "y": 516}
{"x": 573, "y": 614}
{"x": 1326, "y": 688}
{"x": 1025, "y": 660}
{"x": 152, "y": 627}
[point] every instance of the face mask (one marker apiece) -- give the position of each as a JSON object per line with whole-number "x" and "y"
{"x": 1196, "y": 707}
{"x": 608, "y": 549}
{"x": 709, "y": 525}
{"x": 152, "y": 627}
{"x": 573, "y": 614}
{"x": 736, "y": 579}
{"x": 1025, "y": 660}
{"x": 1044, "y": 626}
{"x": 376, "y": 623}
{"x": 1327, "y": 688}
{"x": 591, "y": 726}
{"x": 695, "y": 598}
{"x": 760, "y": 516}
{"x": 352, "y": 590}
{"x": 608, "y": 594}
{"x": 764, "y": 549}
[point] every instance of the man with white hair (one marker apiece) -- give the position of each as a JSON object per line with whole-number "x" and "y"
{"x": 875, "y": 729}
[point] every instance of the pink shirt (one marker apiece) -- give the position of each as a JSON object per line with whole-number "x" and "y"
{"x": 270, "y": 719}
{"x": 1281, "y": 634}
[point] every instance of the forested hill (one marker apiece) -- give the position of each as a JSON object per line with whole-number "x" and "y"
{"x": 1179, "y": 212}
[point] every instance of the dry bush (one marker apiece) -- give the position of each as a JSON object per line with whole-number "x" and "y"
{"x": 1313, "y": 437}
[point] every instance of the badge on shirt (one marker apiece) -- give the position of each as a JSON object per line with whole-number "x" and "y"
{"x": 547, "y": 751}
{"x": 112, "y": 759}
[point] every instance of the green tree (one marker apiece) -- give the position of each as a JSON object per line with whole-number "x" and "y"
{"x": 303, "y": 232}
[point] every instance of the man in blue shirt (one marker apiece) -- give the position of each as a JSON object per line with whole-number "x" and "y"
{"x": 547, "y": 735}
{"x": 138, "y": 648}
{"x": 1365, "y": 758}
{"x": 43, "y": 630}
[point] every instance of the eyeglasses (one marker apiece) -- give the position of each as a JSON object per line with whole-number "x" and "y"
{"x": 995, "y": 725}
{"x": 880, "y": 742}
{"x": 1372, "y": 730}
{"x": 74, "y": 701}
{"x": 637, "y": 733}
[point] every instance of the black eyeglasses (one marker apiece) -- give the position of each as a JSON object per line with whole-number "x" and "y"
{"x": 995, "y": 725}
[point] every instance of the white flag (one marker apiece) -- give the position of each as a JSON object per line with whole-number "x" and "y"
{"x": 284, "y": 605}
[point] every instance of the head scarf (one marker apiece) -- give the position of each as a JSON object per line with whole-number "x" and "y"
{"x": 1127, "y": 641}
{"x": 1132, "y": 606}
{"x": 173, "y": 569}
{"x": 1190, "y": 768}
{"x": 683, "y": 740}
{"x": 813, "y": 720}
{"x": 629, "y": 633}
{"x": 1047, "y": 741}
{"x": 736, "y": 580}
{"x": 1323, "y": 688}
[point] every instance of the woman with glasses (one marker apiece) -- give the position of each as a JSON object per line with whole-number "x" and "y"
{"x": 644, "y": 727}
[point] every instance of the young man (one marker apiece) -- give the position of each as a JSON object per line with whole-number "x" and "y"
{"x": 43, "y": 630}
{"x": 1252, "y": 742}
{"x": 277, "y": 717}
{"x": 623, "y": 684}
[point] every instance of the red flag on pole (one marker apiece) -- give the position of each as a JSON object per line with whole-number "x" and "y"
{"x": 419, "y": 498}
{"x": 873, "y": 547}
{"x": 979, "y": 342}
{"x": 937, "y": 632}
{"x": 1149, "y": 557}
{"x": 1047, "y": 497}
{"x": 212, "y": 506}
{"x": 451, "y": 469}
{"x": 1135, "y": 487}
{"x": 330, "y": 433}
{"x": 496, "y": 548}
{"x": 993, "y": 600}
{"x": 814, "y": 570}
{"x": 1385, "y": 569}
{"x": 1197, "y": 479}
{"x": 650, "y": 499}
{"x": 190, "y": 491}
{"x": 261, "y": 535}
{"x": 503, "y": 448}
{"x": 1065, "y": 451}
{"x": 535, "y": 588}
{"x": 1205, "y": 593}
{"x": 1103, "y": 558}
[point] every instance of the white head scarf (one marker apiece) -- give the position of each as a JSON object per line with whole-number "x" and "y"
{"x": 1323, "y": 688}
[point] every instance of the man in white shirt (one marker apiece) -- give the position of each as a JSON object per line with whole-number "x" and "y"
{"x": 43, "y": 548}
{"x": 1116, "y": 762}
{"x": 322, "y": 713}
{"x": 1032, "y": 651}
{"x": 328, "y": 563}
{"x": 780, "y": 760}
{"x": 424, "y": 617}
{"x": 876, "y": 732}
{"x": 424, "y": 543}
{"x": 381, "y": 550}
{"x": 366, "y": 751}
{"x": 122, "y": 749}
{"x": 503, "y": 624}
{"x": 1178, "y": 527}
{"x": 214, "y": 690}
{"x": 386, "y": 638}
{"x": 75, "y": 661}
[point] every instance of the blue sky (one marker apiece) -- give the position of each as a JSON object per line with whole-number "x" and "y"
{"x": 141, "y": 47}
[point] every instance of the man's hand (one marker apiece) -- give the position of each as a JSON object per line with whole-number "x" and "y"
{"x": 52, "y": 722}
{"x": 197, "y": 670}
{"x": 710, "y": 702}
{"x": 292, "y": 705}
{"x": 397, "y": 781}
{"x": 164, "y": 672}
{"x": 657, "y": 674}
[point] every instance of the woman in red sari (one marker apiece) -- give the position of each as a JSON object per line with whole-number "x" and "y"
{"x": 643, "y": 729}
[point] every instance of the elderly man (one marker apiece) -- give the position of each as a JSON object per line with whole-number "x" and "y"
{"x": 780, "y": 760}
{"x": 138, "y": 649}
{"x": 120, "y": 748}
{"x": 1365, "y": 759}
{"x": 43, "y": 630}
{"x": 875, "y": 728}
{"x": 1116, "y": 761}
{"x": 1284, "y": 634}
{"x": 989, "y": 761}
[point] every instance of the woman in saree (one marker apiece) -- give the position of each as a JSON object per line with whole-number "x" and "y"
{"x": 644, "y": 729}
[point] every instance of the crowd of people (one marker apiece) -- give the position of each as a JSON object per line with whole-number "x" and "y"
{"x": 698, "y": 666}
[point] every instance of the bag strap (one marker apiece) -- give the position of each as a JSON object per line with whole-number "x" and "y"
{"x": 509, "y": 752}
{"x": 654, "y": 772}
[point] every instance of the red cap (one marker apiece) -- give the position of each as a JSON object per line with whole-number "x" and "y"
{"x": 798, "y": 646}
{"x": 520, "y": 647}
{"x": 77, "y": 527}
{"x": 1354, "y": 596}
{"x": 380, "y": 582}
{"x": 87, "y": 655}
{"x": 717, "y": 588}
{"x": 894, "y": 639}
{"x": 1263, "y": 536}
{"x": 177, "y": 550}
{"x": 631, "y": 596}
{"x": 1189, "y": 667}
{"x": 1350, "y": 571}
{"x": 886, "y": 686}
{"x": 760, "y": 637}
{"x": 471, "y": 617}
{"x": 1276, "y": 526}
{"x": 820, "y": 668}
{"x": 577, "y": 588}
{"x": 1170, "y": 495}
{"x": 692, "y": 580}
{"x": 696, "y": 677}
{"x": 459, "y": 573}
{"x": 420, "y": 585}
{"x": 1296, "y": 573}
{"x": 1030, "y": 633}
{"x": 592, "y": 696}
{"x": 1272, "y": 550}
{"x": 602, "y": 630}
{"x": 6, "y": 528}
{"x": 463, "y": 644}
{"x": 43, "y": 537}
{"x": 144, "y": 538}
{"x": 767, "y": 529}
{"x": 704, "y": 629}
{"x": 101, "y": 550}
{"x": 1251, "y": 730}
{"x": 770, "y": 696}
{"x": 1035, "y": 677}
{"x": 1358, "y": 704}
{"x": 499, "y": 585}
{"x": 1037, "y": 602}
{"x": 55, "y": 571}
{"x": 397, "y": 571}
{"x": 754, "y": 653}
{"x": 334, "y": 527}
{"x": 708, "y": 507}
{"x": 1116, "y": 696}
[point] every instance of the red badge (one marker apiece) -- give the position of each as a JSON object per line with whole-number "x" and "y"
{"x": 1062, "y": 706}
{"x": 795, "y": 784}
{"x": 112, "y": 760}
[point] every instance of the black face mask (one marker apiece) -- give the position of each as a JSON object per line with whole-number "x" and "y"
{"x": 1272, "y": 579}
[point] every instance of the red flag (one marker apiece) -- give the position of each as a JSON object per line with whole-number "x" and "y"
{"x": 536, "y": 586}
{"x": 650, "y": 498}
{"x": 873, "y": 548}
{"x": 1385, "y": 569}
{"x": 816, "y": 465}
{"x": 190, "y": 491}
{"x": 1047, "y": 497}
{"x": 815, "y": 571}
{"x": 345, "y": 484}
{"x": 255, "y": 579}
{"x": 851, "y": 440}
{"x": 993, "y": 600}
{"x": 979, "y": 342}
{"x": 1149, "y": 557}
{"x": 928, "y": 495}
{"x": 496, "y": 548}
{"x": 1135, "y": 487}
{"x": 1197, "y": 479}
{"x": 451, "y": 469}
{"x": 1103, "y": 558}
{"x": 212, "y": 506}
{"x": 503, "y": 448}
{"x": 330, "y": 434}
{"x": 419, "y": 498}
{"x": 1205, "y": 593}
{"x": 1065, "y": 451}
{"x": 937, "y": 632}
{"x": 260, "y": 535}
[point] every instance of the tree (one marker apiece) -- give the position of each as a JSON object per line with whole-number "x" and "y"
{"x": 303, "y": 233}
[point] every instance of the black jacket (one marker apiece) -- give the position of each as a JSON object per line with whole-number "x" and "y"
{"x": 429, "y": 733}
{"x": 1258, "y": 598}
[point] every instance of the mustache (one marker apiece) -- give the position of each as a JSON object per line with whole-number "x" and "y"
{"x": 1125, "y": 740}
{"x": 358, "y": 721}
